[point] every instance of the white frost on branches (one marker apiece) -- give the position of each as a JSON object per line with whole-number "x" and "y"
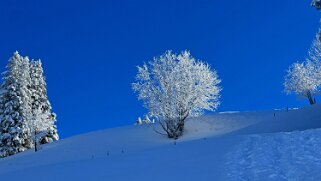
{"x": 174, "y": 87}
{"x": 315, "y": 50}
{"x": 302, "y": 79}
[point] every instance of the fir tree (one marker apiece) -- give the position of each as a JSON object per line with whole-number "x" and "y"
{"x": 15, "y": 107}
{"x": 43, "y": 119}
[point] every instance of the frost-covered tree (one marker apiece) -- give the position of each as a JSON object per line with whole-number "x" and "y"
{"x": 305, "y": 78}
{"x": 43, "y": 119}
{"x": 174, "y": 87}
{"x": 316, "y": 4}
{"x": 315, "y": 50}
{"x": 15, "y": 107}
{"x": 302, "y": 79}
{"x": 314, "y": 57}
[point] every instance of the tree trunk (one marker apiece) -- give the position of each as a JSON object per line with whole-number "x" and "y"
{"x": 311, "y": 101}
{"x": 177, "y": 131}
{"x": 35, "y": 141}
{"x": 175, "y": 127}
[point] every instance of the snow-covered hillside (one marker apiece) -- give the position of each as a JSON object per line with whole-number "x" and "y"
{"x": 268, "y": 145}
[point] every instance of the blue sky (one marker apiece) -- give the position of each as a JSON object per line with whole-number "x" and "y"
{"x": 90, "y": 50}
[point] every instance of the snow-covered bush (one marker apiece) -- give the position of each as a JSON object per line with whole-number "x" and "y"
{"x": 139, "y": 121}
{"x": 146, "y": 120}
{"x": 174, "y": 87}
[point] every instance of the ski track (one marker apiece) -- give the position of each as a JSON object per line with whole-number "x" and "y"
{"x": 276, "y": 156}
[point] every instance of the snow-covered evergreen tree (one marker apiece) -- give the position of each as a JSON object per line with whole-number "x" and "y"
{"x": 15, "y": 107}
{"x": 174, "y": 87}
{"x": 316, "y": 4}
{"x": 43, "y": 119}
{"x": 303, "y": 80}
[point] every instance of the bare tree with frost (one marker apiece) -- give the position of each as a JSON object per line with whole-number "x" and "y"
{"x": 175, "y": 87}
{"x": 302, "y": 79}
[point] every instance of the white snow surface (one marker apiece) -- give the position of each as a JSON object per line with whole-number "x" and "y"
{"x": 265, "y": 145}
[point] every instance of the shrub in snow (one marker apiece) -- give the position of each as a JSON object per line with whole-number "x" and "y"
{"x": 43, "y": 118}
{"x": 139, "y": 121}
{"x": 174, "y": 87}
{"x": 146, "y": 120}
{"x": 15, "y": 107}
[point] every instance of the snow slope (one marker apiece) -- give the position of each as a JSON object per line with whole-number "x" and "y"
{"x": 268, "y": 145}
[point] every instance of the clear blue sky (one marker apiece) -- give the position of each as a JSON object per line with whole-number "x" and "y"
{"x": 90, "y": 50}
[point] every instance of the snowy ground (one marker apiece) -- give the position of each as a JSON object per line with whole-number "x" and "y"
{"x": 278, "y": 156}
{"x": 270, "y": 145}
